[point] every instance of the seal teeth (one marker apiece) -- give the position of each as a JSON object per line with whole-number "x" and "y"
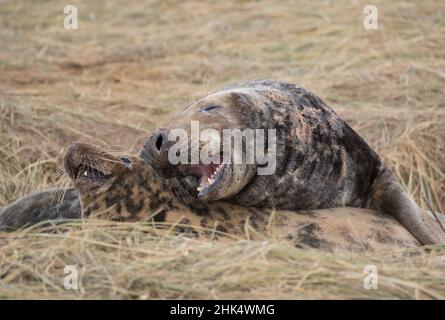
{"x": 216, "y": 171}
{"x": 210, "y": 180}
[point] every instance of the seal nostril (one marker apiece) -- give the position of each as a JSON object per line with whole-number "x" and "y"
{"x": 159, "y": 141}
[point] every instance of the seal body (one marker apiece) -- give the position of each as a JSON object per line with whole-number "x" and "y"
{"x": 56, "y": 205}
{"x": 124, "y": 188}
{"x": 321, "y": 162}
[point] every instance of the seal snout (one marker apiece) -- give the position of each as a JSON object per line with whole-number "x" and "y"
{"x": 155, "y": 150}
{"x": 85, "y": 162}
{"x": 157, "y": 142}
{"x": 78, "y": 155}
{"x": 72, "y": 160}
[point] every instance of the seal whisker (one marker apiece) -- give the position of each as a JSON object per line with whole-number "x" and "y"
{"x": 182, "y": 196}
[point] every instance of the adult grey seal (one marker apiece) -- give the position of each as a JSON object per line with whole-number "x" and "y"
{"x": 321, "y": 162}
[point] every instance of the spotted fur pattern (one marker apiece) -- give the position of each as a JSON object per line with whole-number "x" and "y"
{"x": 137, "y": 193}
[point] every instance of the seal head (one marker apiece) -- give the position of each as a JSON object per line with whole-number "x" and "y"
{"x": 222, "y": 176}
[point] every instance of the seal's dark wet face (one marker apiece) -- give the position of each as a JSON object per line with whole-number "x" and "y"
{"x": 221, "y": 176}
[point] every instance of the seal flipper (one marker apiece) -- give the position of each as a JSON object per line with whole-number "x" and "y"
{"x": 39, "y": 207}
{"x": 388, "y": 196}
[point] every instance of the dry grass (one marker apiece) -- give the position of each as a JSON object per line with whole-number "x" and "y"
{"x": 135, "y": 261}
{"x": 129, "y": 66}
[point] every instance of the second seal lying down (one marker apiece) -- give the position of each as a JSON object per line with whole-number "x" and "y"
{"x": 321, "y": 162}
{"x": 123, "y": 188}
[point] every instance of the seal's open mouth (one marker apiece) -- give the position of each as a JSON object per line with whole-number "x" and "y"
{"x": 210, "y": 176}
{"x": 84, "y": 171}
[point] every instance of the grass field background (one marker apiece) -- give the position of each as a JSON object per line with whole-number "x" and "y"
{"x": 130, "y": 65}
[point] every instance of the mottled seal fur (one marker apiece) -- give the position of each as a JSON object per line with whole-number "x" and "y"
{"x": 124, "y": 188}
{"x": 321, "y": 161}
